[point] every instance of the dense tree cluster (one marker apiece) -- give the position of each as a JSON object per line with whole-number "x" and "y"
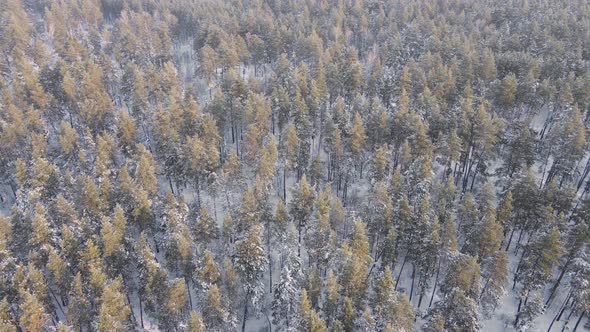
{"x": 315, "y": 165}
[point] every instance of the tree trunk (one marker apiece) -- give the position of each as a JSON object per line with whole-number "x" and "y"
{"x": 560, "y": 310}
{"x": 578, "y": 321}
{"x": 435, "y": 284}
{"x": 554, "y": 288}
{"x": 285, "y": 184}
{"x": 188, "y": 290}
{"x": 269, "y": 324}
{"x": 57, "y": 301}
{"x": 299, "y": 245}
{"x": 519, "y": 266}
{"x": 518, "y": 242}
{"x": 567, "y": 320}
{"x": 134, "y": 319}
{"x": 400, "y": 271}
{"x": 518, "y": 313}
{"x": 13, "y": 190}
{"x": 198, "y": 193}
{"x": 413, "y": 278}
{"x": 510, "y": 239}
{"x": 422, "y": 291}
{"x": 245, "y": 315}
{"x": 170, "y": 183}
{"x": 584, "y": 174}
{"x": 140, "y": 311}
{"x": 269, "y": 257}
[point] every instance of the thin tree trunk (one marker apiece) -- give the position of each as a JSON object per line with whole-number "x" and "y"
{"x": 170, "y": 183}
{"x": 422, "y": 291}
{"x": 560, "y": 310}
{"x": 510, "y": 239}
{"x": 567, "y": 320}
{"x": 198, "y": 193}
{"x": 554, "y": 288}
{"x": 285, "y": 184}
{"x": 299, "y": 245}
{"x": 578, "y": 321}
{"x": 518, "y": 242}
{"x": 215, "y": 207}
{"x": 483, "y": 289}
{"x": 518, "y": 313}
{"x": 13, "y": 190}
{"x": 132, "y": 313}
{"x": 400, "y": 271}
{"x": 269, "y": 324}
{"x": 413, "y": 278}
{"x": 56, "y": 301}
{"x": 474, "y": 175}
{"x": 519, "y": 266}
{"x": 584, "y": 174}
{"x": 245, "y": 315}
{"x": 140, "y": 311}
{"x": 188, "y": 290}
{"x": 435, "y": 284}
{"x": 269, "y": 257}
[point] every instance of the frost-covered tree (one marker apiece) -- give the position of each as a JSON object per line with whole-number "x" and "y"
{"x": 250, "y": 263}
{"x": 284, "y": 303}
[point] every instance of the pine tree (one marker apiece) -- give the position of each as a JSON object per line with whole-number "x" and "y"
{"x": 304, "y": 312}
{"x": 530, "y": 311}
{"x": 59, "y": 270}
{"x": 205, "y": 230}
{"x": 61, "y": 327}
{"x": 209, "y": 272}
{"x": 227, "y": 229}
{"x": 332, "y": 296}
{"x": 127, "y": 133}
{"x": 380, "y": 167}
{"x": 490, "y": 235}
{"x": 112, "y": 236}
{"x": 391, "y": 309}
{"x": 495, "y": 275}
{"x": 215, "y": 315}
{"x": 468, "y": 222}
{"x": 463, "y": 273}
{"x": 320, "y": 236}
{"x": 251, "y": 263}
{"x": 284, "y": 300}
{"x": 302, "y": 206}
{"x": 114, "y": 314}
{"x": 79, "y": 306}
{"x": 176, "y": 304}
{"x": 504, "y": 212}
{"x": 358, "y": 138}
{"x": 6, "y": 322}
{"x": 152, "y": 284}
{"x": 68, "y": 140}
{"x": 356, "y": 260}
{"x": 195, "y": 323}
{"x": 457, "y": 311}
{"x": 33, "y": 316}
{"x": 535, "y": 269}
{"x": 40, "y": 241}
{"x": 347, "y": 315}
{"x": 435, "y": 323}
{"x": 316, "y": 323}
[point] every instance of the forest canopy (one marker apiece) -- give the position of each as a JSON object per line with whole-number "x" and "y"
{"x": 289, "y": 165}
